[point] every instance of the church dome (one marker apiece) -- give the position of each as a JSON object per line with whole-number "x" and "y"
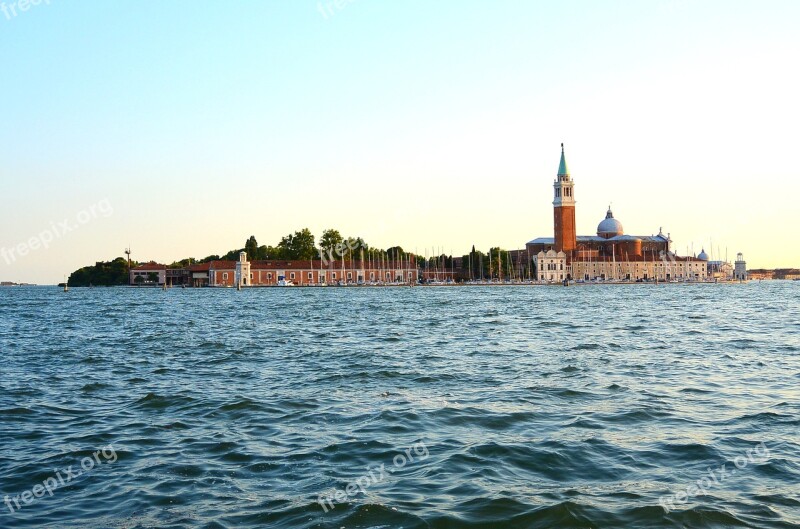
{"x": 609, "y": 227}
{"x": 703, "y": 255}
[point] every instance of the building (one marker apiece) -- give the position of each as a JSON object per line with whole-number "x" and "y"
{"x": 792, "y": 274}
{"x": 740, "y": 268}
{"x": 245, "y": 273}
{"x": 611, "y": 254}
{"x": 151, "y": 273}
{"x": 761, "y": 273}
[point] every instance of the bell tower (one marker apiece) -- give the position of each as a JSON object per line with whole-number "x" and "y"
{"x": 564, "y": 209}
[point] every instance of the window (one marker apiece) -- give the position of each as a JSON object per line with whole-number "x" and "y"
{"x": 333, "y": 275}
{"x": 310, "y": 276}
{"x": 224, "y": 276}
{"x": 349, "y": 275}
{"x": 269, "y": 276}
{"x": 291, "y": 275}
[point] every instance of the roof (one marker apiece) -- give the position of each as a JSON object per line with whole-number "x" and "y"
{"x": 645, "y": 258}
{"x": 152, "y": 265}
{"x": 222, "y": 265}
{"x": 610, "y": 225}
{"x": 562, "y": 166}
{"x": 316, "y": 264}
{"x": 595, "y": 238}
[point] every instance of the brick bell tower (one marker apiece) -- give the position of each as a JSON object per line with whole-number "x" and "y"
{"x": 564, "y": 209}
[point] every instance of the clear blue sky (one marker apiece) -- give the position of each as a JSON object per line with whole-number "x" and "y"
{"x": 415, "y": 123}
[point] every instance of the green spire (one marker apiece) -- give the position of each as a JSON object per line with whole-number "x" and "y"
{"x": 562, "y": 167}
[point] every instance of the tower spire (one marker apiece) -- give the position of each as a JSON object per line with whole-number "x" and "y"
{"x": 562, "y": 166}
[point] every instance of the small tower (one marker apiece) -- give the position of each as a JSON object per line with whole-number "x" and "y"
{"x": 242, "y": 274}
{"x": 740, "y": 268}
{"x": 565, "y": 236}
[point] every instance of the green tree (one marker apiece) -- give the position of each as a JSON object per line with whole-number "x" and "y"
{"x": 251, "y": 248}
{"x": 329, "y": 242}
{"x": 356, "y": 245}
{"x": 498, "y": 266}
{"x": 110, "y": 273}
{"x": 265, "y": 252}
{"x": 233, "y": 255}
{"x": 395, "y": 252}
{"x": 183, "y": 263}
{"x": 298, "y": 245}
{"x": 471, "y": 264}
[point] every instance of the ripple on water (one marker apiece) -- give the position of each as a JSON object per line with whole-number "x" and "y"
{"x": 239, "y": 409}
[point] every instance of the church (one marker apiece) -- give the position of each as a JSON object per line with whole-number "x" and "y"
{"x": 608, "y": 255}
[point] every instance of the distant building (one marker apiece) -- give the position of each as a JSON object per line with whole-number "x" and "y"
{"x": 740, "y": 268}
{"x": 302, "y": 273}
{"x": 793, "y": 274}
{"x": 760, "y": 273}
{"x": 151, "y": 273}
{"x": 610, "y": 254}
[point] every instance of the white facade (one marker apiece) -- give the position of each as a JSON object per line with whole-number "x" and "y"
{"x": 740, "y": 268}
{"x": 667, "y": 269}
{"x": 242, "y": 274}
{"x": 551, "y": 266}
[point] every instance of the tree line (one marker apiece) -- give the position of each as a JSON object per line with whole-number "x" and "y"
{"x": 302, "y": 245}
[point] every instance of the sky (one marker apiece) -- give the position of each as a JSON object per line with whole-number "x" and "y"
{"x": 181, "y": 128}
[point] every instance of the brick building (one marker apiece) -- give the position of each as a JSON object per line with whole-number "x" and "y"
{"x": 610, "y": 254}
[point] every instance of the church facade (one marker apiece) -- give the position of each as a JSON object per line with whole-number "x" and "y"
{"x": 611, "y": 254}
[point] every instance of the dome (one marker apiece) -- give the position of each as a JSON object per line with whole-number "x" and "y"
{"x": 609, "y": 227}
{"x": 703, "y": 255}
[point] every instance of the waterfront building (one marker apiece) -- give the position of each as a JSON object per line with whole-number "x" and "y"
{"x": 315, "y": 272}
{"x": 740, "y": 268}
{"x": 760, "y": 273}
{"x": 151, "y": 273}
{"x": 245, "y": 273}
{"x": 611, "y": 254}
{"x": 778, "y": 273}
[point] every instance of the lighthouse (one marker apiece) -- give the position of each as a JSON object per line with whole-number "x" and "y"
{"x": 740, "y": 268}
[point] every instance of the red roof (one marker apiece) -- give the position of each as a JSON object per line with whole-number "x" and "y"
{"x": 316, "y": 264}
{"x": 222, "y": 265}
{"x": 648, "y": 258}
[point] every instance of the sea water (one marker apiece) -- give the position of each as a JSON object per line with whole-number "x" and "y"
{"x": 624, "y": 406}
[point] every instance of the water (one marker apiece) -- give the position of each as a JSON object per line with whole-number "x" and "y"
{"x": 487, "y": 407}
